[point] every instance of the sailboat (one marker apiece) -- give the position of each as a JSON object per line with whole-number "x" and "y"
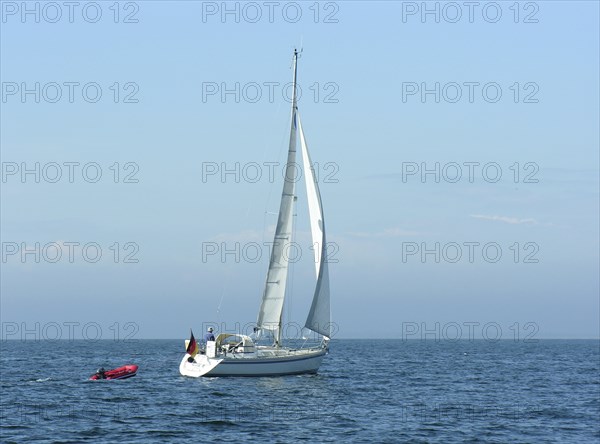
{"x": 242, "y": 355}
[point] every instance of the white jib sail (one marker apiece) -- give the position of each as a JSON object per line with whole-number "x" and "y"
{"x": 271, "y": 308}
{"x": 319, "y": 316}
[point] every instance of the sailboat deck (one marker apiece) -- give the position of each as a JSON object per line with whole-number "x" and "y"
{"x": 268, "y": 352}
{"x": 286, "y": 352}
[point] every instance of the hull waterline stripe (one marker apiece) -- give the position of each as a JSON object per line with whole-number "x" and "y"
{"x": 268, "y": 360}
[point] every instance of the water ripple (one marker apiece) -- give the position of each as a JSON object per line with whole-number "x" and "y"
{"x": 384, "y": 391}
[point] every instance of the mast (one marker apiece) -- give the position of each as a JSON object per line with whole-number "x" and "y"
{"x": 271, "y": 309}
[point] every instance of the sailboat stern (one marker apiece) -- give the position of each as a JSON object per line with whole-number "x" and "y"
{"x": 197, "y": 366}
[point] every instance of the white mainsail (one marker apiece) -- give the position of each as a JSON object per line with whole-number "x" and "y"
{"x": 271, "y": 308}
{"x": 319, "y": 316}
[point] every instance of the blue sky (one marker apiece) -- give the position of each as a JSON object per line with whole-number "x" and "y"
{"x": 360, "y": 125}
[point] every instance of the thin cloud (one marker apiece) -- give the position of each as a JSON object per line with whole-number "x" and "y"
{"x": 506, "y": 219}
{"x": 387, "y": 233}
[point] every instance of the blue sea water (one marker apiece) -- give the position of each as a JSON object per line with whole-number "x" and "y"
{"x": 366, "y": 391}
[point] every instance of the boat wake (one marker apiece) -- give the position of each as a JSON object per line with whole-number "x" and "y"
{"x": 40, "y": 380}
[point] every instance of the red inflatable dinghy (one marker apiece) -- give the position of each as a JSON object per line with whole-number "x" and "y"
{"x": 127, "y": 371}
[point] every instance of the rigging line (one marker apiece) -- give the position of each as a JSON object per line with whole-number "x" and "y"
{"x": 290, "y": 288}
{"x": 273, "y": 120}
{"x": 284, "y": 135}
{"x": 283, "y": 148}
{"x": 263, "y": 158}
{"x": 227, "y": 279}
{"x": 221, "y": 301}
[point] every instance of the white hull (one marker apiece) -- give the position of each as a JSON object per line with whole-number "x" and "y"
{"x": 288, "y": 363}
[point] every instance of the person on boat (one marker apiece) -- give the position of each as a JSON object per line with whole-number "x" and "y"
{"x": 101, "y": 373}
{"x": 209, "y": 335}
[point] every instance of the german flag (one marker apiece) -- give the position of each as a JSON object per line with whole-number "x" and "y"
{"x": 192, "y": 348}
